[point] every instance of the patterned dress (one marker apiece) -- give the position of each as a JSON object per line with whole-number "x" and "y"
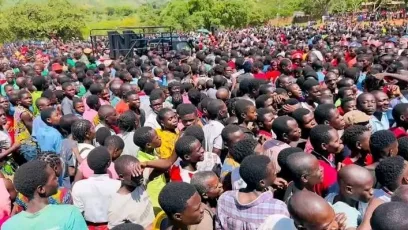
{"x": 28, "y": 148}
{"x": 63, "y": 196}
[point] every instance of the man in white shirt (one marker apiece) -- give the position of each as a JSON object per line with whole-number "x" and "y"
{"x": 156, "y": 103}
{"x": 217, "y": 110}
{"x": 93, "y": 195}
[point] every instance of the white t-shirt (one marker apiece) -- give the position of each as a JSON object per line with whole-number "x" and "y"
{"x": 212, "y": 134}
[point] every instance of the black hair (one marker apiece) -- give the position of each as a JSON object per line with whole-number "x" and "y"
{"x": 399, "y": 111}
{"x": 241, "y": 107}
{"x": 309, "y": 84}
{"x": 194, "y": 95}
{"x": 231, "y": 105}
{"x": 87, "y": 83}
{"x": 390, "y": 216}
{"x": 128, "y": 226}
{"x": 379, "y": 141}
{"x": 143, "y": 136}
{"x": 299, "y": 113}
{"x": 60, "y": 95}
{"x": 51, "y": 158}
{"x": 352, "y": 135}
{"x": 148, "y": 88}
{"x": 75, "y": 101}
{"x": 280, "y": 126}
{"x": 99, "y": 159}
{"x": 260, "y": 100}
{"x": 403, "y": 147}
{"x": 284, "y": 153}
{"x": 79, "y": 130}
{"x": 296, "y": 165}
{"x": 114, "y": 142}
{"x": 122, "y": 162}
{"x": 243, "y": 148}
{"x": 126, "y": 121}
{"x": 184, "y": 146}
{"x": 346, "y": 100}
{"x": 322, "y": 113}
{"x": 101, "y": 135}
{"x": 195, "y": 131}
{"x": 65, "y": 85}
{"x": 22, "y": 93}
{"x": 228, "y": 130}
{"x": 174, "y": 196}
{"x": 262, "y": 112}
{"x": 388, "y": 172}
{"x": 253, "y": 169}
{"x": 320, "y": 134}
{"x": 342, "y": 92}
{"x": 39, "y": 82}
{"x": 155, "y": 96}
{"x": 66, "y": 122}
{"x": 95, "y": 88}
{"x": 249, "y": 85}
{"x": 92, "y": 101}
{"x": 48, "y": 94}
{"x": 184, "y": 109}
{"x": 214, "y": 108}
{"x": 161, "y": 114}
{"x": 280, "y": 91}
{"x": 47, "y": 113}
{"x": 38, "y": 176}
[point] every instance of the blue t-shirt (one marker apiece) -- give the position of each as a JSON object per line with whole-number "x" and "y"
{"x": 49, "y": 139}
{"x": 60, "y": 216}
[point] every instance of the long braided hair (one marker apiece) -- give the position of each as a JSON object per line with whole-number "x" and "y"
{"x": 79, "y": 130}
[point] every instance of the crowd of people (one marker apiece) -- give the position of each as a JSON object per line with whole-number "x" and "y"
{"x": 260, "y": 128}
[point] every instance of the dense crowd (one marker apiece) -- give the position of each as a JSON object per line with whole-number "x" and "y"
{"x": 260, "y": 128}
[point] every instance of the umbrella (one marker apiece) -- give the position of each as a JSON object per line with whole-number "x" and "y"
{"x": 202, "y": 30}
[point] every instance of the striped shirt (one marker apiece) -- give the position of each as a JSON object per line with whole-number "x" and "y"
{"x": 233, "y": 215}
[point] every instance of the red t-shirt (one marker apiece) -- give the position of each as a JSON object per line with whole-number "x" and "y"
{"x": 261, "y": 76}
{"x": 122, "y": 107}
{"x": 368, "y": 160}
{"x": 329, "y": 179}
{"x": 272, "y": 75}
{"x": 398, "y": 132}
{"x": 10, "y": 125}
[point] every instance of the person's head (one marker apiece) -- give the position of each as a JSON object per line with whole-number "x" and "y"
{"x": 383, "y": 144}
{"x": 189, "y": 149}
{"x": 346, "y": 92}
{"x": 69, "y": 89}
{"x": 258, "y": 172}
{"x": 146, "y": 138}
{"x": 208, "y": 185}
{"x": 284, "y": 81}
{"x": 283, "y": 161}
{"x": 167, "y": 119}
{"x": 348, "y": 104}
{"x": 304, "y": 170}
{"x": 286, "y": 129}
{"x": 245, "y": 111}
{"x": 133, "y": 100}
{"x": 53, "y": 160}
{"x": 265, "y": 118}
{"x": 400, "y": 114}
{"x": 40, "y": 83}
{"x": 93, "y": 102}
{"x": 101, "y": 135}
{"x": 382, "y": 101}
{"x": 43, "y": 103}
{"x": 403, "y": 147}
{"x": 78, "y": 105}
{"x": 42, "y": 182}
{"x": 331, "y": 81}
{"x": 400, "y": 194}
{"x": 51, "y": 96}
{"x": 25, "y": 99}
{"x": 264, "y": 101}
{"x": 223, "y": 94}
{"x": 356, "y": 183}
{"x": 99, "y": 160}
{"x": 128, "y": 121}
{"x": 392, "y": 172}
{"x": 305, "y": 119}
{"x": 294, "y": 91}
{"x": 115, "y": 146}
{"x": 390, "y": 216}
{"x": 124, "y": 166}
{"x": 357, "y": 139}
{"x": 243, "y": 148}
{"x": 311, "y": 212}
{"x": 325, "y": 140}
{"x": 250, "y": 87}
{"x": 128, "y": 226}
{"x": 181, "y": 203}
{"x": 66, "y": 122}
{"x": 82, "y": 130}
{"x": 115, "y": 88}
{"x": 51, "y": 116}
{"x": 311, "y": 88}
{"x": 231, "y": 134}
{"x": 108, "y": 115}
{"x": 156, "y": 102}
{"x": 217, "y": 110}
{"x": 327, "y": 114}
{"x": 187, "y": 114}
{"x": 366, "y": 103}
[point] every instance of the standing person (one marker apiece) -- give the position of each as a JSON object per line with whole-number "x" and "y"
{"x": 48, "y": 137}
{"x": 42, "y": 104}
{"x": 95, "y": 208}
{"x": 311, "y": 88}
{"x": 265, "y": 118}
{"x": 286, "y": 129}
{"x": 357, "y": 139}
{"x": 217, "y": 111}
{"x": 116, "y": 93}
{"x": 133, "y": 101}
{"x": 67, "y": 105}
{"x": 79, "y": 107}
{"x": 156, "y": 104}
{"x": 246, "y": 114}
{"x": 131, "y": 196}
{"x": 40, "y": 84}
{"x": 249, "y": 207}
{"x": 107, "y": 118}
{"x": 127, "y": 123}
{"x": 23, "y": 124}
{"x": 400, "y": 114}
{"x": 182, "y": 205}
{"x": 9, "y": 126}
{"x": 91, "y": 112}
{"x": 167, "y": 132}
{"x": 382, "y": 116}
{"x": 83, "y": 133}
{"x": 37, "y": 188}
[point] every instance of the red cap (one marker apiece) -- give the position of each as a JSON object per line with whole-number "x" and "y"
{"x": 56, "y": 67}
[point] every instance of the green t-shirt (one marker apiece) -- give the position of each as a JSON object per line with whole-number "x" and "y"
{"x": 81, "y": 91}
{"x": 3, "y": 92}
{"x": 60, "y": 216}
{"x": 36, "y": 95}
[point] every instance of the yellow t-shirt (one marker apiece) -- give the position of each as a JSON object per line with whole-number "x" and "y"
{"x": 168, "y": 144}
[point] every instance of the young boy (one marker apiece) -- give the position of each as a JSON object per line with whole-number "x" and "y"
{"x": 325, "y": 141}
{"x": 347, "y": 104}
{"x": 48, "y": 137}
{"x": 286, "y": 129}
{"x": 306, "y": 121}
{"x": 245, "y": 111}
{"x": 93, "y": 106}
{"x": 191, "y": 152}
{"x": 79, "y": 107}
{"x": 168, "y": 131}
{"x": 217, "y": 111}
{"x": 264, "y": 121}
{"x": 357, "y": 139}
{"x": 67, "y": 106}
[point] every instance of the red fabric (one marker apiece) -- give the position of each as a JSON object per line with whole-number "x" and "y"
{"x": 351, "y": 62}
{"x": 176, "y": 173}
{"x": 141, "y": 93}
{"x": 199, "y": 113}
{"x": 10, "y": 124}
{"x": 398, "y": 132}
{"x": 122, "y": 107}
{"x": 329, "y": 179}
{"x": 341, "y": 111}
{"x": 231, "y": 64}
{"x": 97, "y": 227}
{"x": 334, "y": 63}
{"x": 261, "y": 76}
{"x": 267, "y": 135}
{"x": 272, "y": 75}
{"x": 368, "y": 160}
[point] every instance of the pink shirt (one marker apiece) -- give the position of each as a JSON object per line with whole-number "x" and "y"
{"x": 87, "y": 172}
{"x": 90, "y": 115}
{"x": 5, "y": 203}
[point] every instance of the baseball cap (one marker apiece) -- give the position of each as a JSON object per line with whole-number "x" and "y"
{"x": 355, "y": 117}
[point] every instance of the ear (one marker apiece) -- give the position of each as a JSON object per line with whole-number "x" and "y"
{"x": 303, "y": 178}
{"x": 187, "y": 157}
{"x": 404, "y": 180}
{"x": 177, "y": 216}
{"x": 204, "y": 195}
{"x": 326, "y": 122}
{"x": 243, "y": 115}
{"x": 262, "y": 183}
{"x": 358, "y": 145}
{"x": 120, "y": 177}
{"x": 285, "y": 135}
{"x": 349, "y": 189}
{"x": 402, "y": 118}
{"x": 49, "y": 120}
{"x": 289, "y": 94}
{"x": 324, "y": 146}
{"x": 41, "y": 189}
{"x": 149, "y": 145}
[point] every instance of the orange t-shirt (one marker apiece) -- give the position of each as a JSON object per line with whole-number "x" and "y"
{"x": 122, "y": 107}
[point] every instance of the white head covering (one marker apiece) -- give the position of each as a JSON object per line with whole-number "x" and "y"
{"x": 277, "y": 222}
